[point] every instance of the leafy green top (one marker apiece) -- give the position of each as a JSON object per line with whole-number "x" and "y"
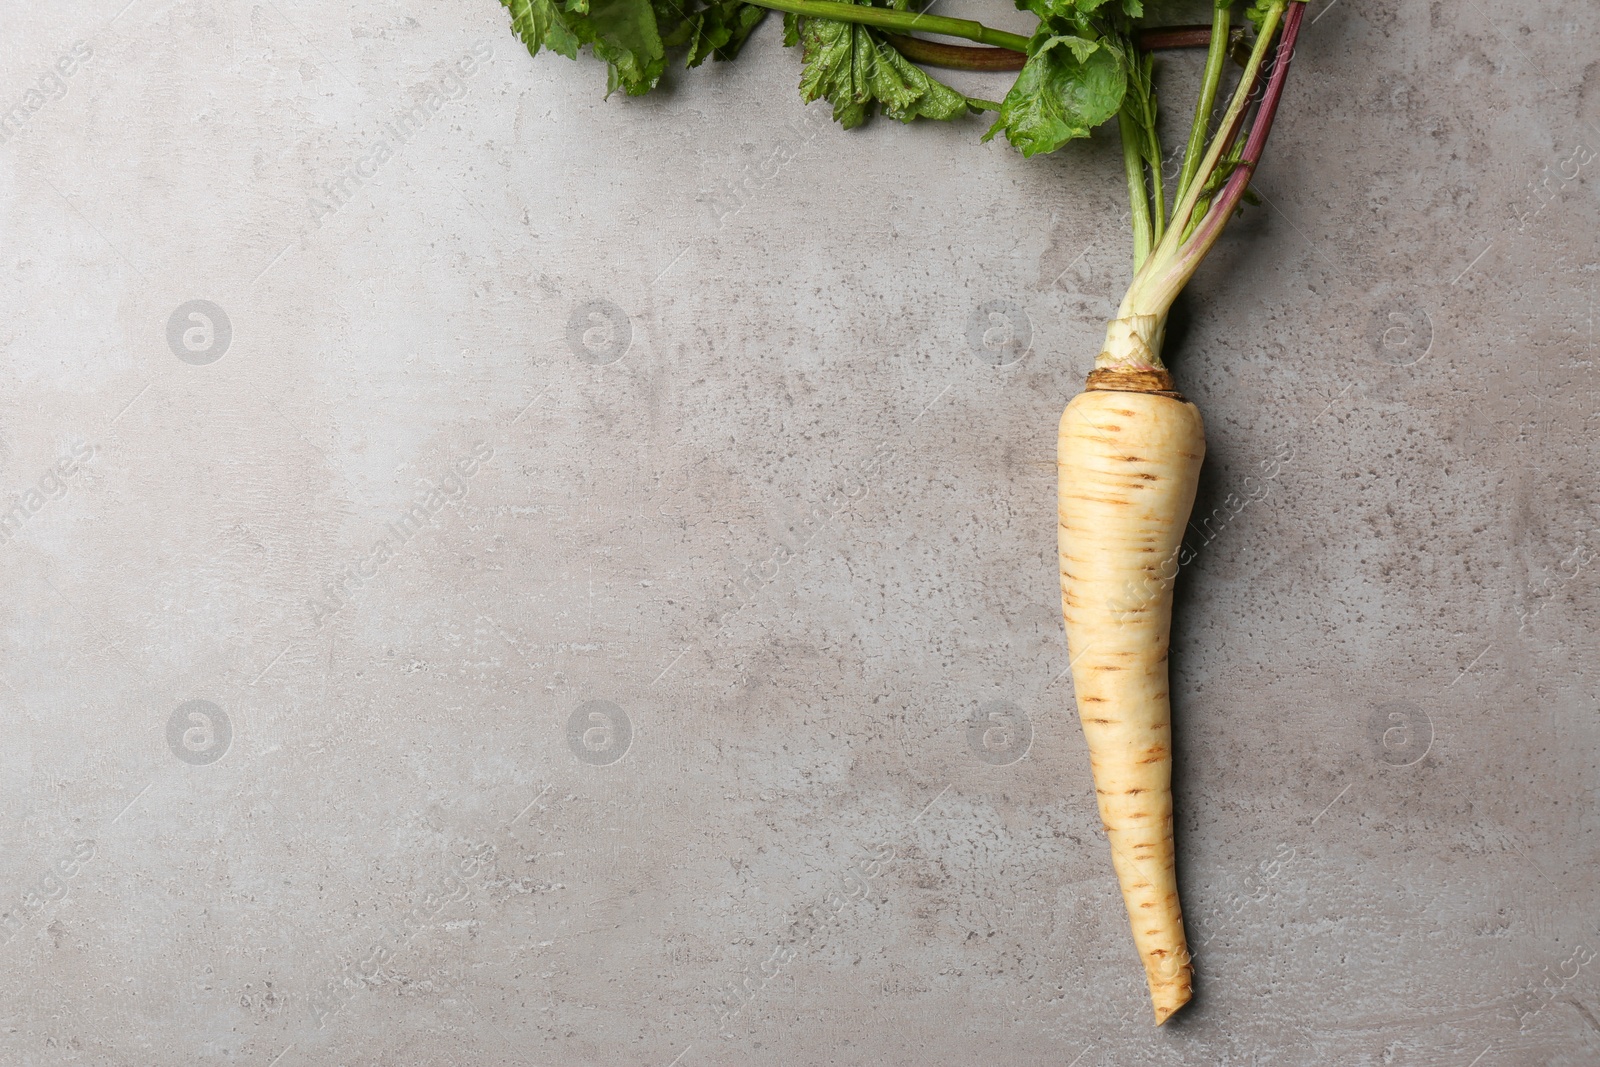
{"x": 1081, "y": 67}
{"x": 1078, "y": 65}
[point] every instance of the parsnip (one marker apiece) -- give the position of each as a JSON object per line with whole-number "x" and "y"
{"x": 1128, "y": 458}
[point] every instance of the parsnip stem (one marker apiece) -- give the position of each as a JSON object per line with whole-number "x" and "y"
{"x": 1164, "y": 288}
{"x": 955, "y": 56}
{"x": 1144, "y": 237}
{"x": 1209, "y": 81}
{"x": 901, "y": 21}
{"x": 1229, "y": 128}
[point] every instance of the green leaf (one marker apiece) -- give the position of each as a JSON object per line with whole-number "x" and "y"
{"x": 624, "y": 34}
{"x": 719, "y": 30}
{"x": 561, "y": 40}
{"x": 829, "y": 60}
{"x": 1081, "y": 49}
{"x": 531, "y": 20}
{"x": 1258, "y": 11}
{"x": 1213, "y": 185}
{"x": 632, "y": 36}
{"x": 1140, "y": 101}
{"x": 906, "y": 92}
{"x": 741, "y": 20}
{"x": 1088, "y": 15}
{"x": 851, "y": 67}
{"x": 621, "y": 32}
{"x": 1089, "y": 7}
{"x": 1062, "y": 13}
{"x": 1067, "y": 87}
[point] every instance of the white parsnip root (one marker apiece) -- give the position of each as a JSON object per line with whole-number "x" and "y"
{"x": 1128, "y": 458}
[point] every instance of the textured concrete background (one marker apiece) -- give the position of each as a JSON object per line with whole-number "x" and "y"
{"x": 709, "y": 708}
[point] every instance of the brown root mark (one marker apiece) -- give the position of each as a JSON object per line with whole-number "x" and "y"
{"x": 1132, "y": 380}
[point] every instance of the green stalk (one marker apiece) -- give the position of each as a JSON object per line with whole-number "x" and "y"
{"x": 1138, "y": 200}
{"x": 1167, "y": 249}
{"x": 1216, "y": 59}
{"x": 899, "y": 21}
{"x": 1162, "y": 287}
{"x": 1134, "y": 337}
{"x": 1158, "y": 190}
{"x": 1141, "y": 147}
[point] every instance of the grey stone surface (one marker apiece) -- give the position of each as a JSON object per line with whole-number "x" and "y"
{"x": 735, "y": 533}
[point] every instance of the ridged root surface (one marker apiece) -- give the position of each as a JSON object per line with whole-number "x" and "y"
{"x": 1128, "y": 463}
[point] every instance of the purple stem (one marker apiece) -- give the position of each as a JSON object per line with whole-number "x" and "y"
{"x": 1232, "y": 192}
